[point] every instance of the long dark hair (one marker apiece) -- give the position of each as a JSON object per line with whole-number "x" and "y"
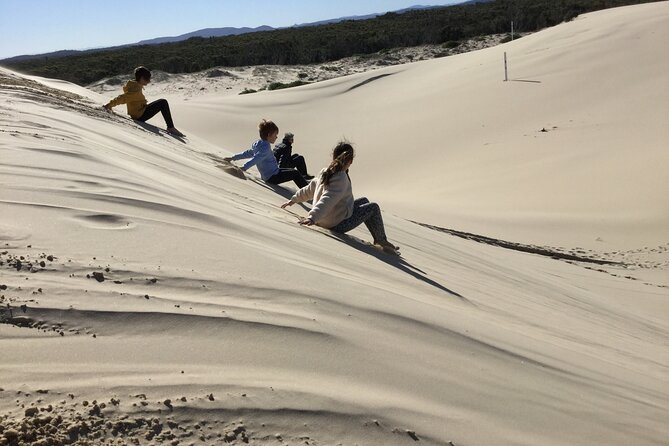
{"x": 342, "y": 155}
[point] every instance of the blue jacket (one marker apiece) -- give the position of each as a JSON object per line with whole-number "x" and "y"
{"x": 262, "y": 157}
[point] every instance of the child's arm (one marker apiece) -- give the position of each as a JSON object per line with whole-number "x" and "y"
{"x": 306, "y": 193}
{"x": 118, "y": 100}
{"x": 254, "y": 153}
{"x": 302, "y": 195}
{"x": 240, "y": 156}
{"x": 131, "y": 93}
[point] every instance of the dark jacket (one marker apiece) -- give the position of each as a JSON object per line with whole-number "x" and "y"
{"x": 283, "y": 152}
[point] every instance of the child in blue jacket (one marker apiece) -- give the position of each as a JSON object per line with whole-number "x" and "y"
{"x": 262, "y": 157}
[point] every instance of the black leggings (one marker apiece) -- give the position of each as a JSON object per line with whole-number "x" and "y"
{"x": 296, "y": 161}
{"x": 285, "y": 175}
{"x": 162, "y": 106}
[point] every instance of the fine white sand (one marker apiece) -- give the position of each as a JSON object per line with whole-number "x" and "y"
{"x": 448, "y": 142}
{"x": 258, "y": 330}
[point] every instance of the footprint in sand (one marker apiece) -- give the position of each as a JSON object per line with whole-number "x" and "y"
{"x": 104, "y": 221}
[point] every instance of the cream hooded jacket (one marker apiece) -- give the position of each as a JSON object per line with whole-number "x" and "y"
{"x": 332, "y": 203}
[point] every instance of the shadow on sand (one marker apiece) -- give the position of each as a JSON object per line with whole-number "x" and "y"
{"x": 393, "y": 260}
{"x": 396, "y": 261}
{"x": 157, "y": 130}
{"x": 525, "y": 80}
{"x": 285, "y": 193}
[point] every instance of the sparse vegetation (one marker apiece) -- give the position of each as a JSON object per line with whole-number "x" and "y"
{"x": 318, "y": 44}
{"x": 281, "y": 85}
{"x": 508, "y": 38}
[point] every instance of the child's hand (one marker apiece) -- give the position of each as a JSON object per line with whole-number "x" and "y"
{"x": 107, "y": 108}
{"x": 287, "y": 203}
{"x": 228, "y": 159}
{"x": 306, "y": 222}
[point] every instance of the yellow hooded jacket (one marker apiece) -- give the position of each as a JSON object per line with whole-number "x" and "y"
{"x": 133, "y": 98}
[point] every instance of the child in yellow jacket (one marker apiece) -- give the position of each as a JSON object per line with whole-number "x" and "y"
{"x": 135, "y": 101}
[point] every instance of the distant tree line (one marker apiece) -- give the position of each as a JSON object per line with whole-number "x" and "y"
{"x": 317, "y": 44}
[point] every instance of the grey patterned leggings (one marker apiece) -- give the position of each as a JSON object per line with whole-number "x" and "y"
{"x": 367, "y": 213}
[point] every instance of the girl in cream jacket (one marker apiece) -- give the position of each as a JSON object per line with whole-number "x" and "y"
{"x": 333, "y": 205}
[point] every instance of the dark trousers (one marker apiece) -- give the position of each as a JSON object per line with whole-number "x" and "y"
{"x": 296, "y": 161}
{"x": 286, "y": 175}
{"x": 162, "y": 106}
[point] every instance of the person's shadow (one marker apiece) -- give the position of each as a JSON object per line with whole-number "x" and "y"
{"x": 157, "y": 130}
{"x": 277, "y": 189}
{"x": 396, "y": 261}
{"x": 393, "y": 260}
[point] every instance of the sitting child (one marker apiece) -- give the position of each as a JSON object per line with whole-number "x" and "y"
{"x": 334, "y": 207}
{"x": 283, "y": 152}
{"x": 262, "y": 157}
{"x": 136, "y": 102}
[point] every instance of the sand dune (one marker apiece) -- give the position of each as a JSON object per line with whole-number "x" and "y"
{"x": 136, "y": 274}
{"x": 458, "y": 147}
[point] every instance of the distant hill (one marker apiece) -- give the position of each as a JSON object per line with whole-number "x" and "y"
{"x": 206, "y": 33}
{"x": 222, "y": 32}
{"x": 371, "y": 16}
{"x": 302, "y": 45}
{"x": 61, "y": 53}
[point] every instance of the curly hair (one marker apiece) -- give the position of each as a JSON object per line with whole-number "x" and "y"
{"x": 266, "y": 128}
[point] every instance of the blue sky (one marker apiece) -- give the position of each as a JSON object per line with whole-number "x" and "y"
{"x": 40, "y": 26}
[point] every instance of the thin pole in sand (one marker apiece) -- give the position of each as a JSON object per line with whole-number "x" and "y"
{"x": 506, "y": 69}
{"x": 512, "y": 30}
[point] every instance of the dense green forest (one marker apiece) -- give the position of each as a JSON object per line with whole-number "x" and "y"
{"x": 306, "y": 45}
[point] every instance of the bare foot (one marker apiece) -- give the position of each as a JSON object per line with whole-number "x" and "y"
{"x": 386, "y": 245}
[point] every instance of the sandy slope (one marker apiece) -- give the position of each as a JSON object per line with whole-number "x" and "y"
{"x": 451, "y": 144}
{"x": 214, "y": 295}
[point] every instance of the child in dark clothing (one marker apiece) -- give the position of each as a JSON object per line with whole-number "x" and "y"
{"x": 283, "y": 152}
